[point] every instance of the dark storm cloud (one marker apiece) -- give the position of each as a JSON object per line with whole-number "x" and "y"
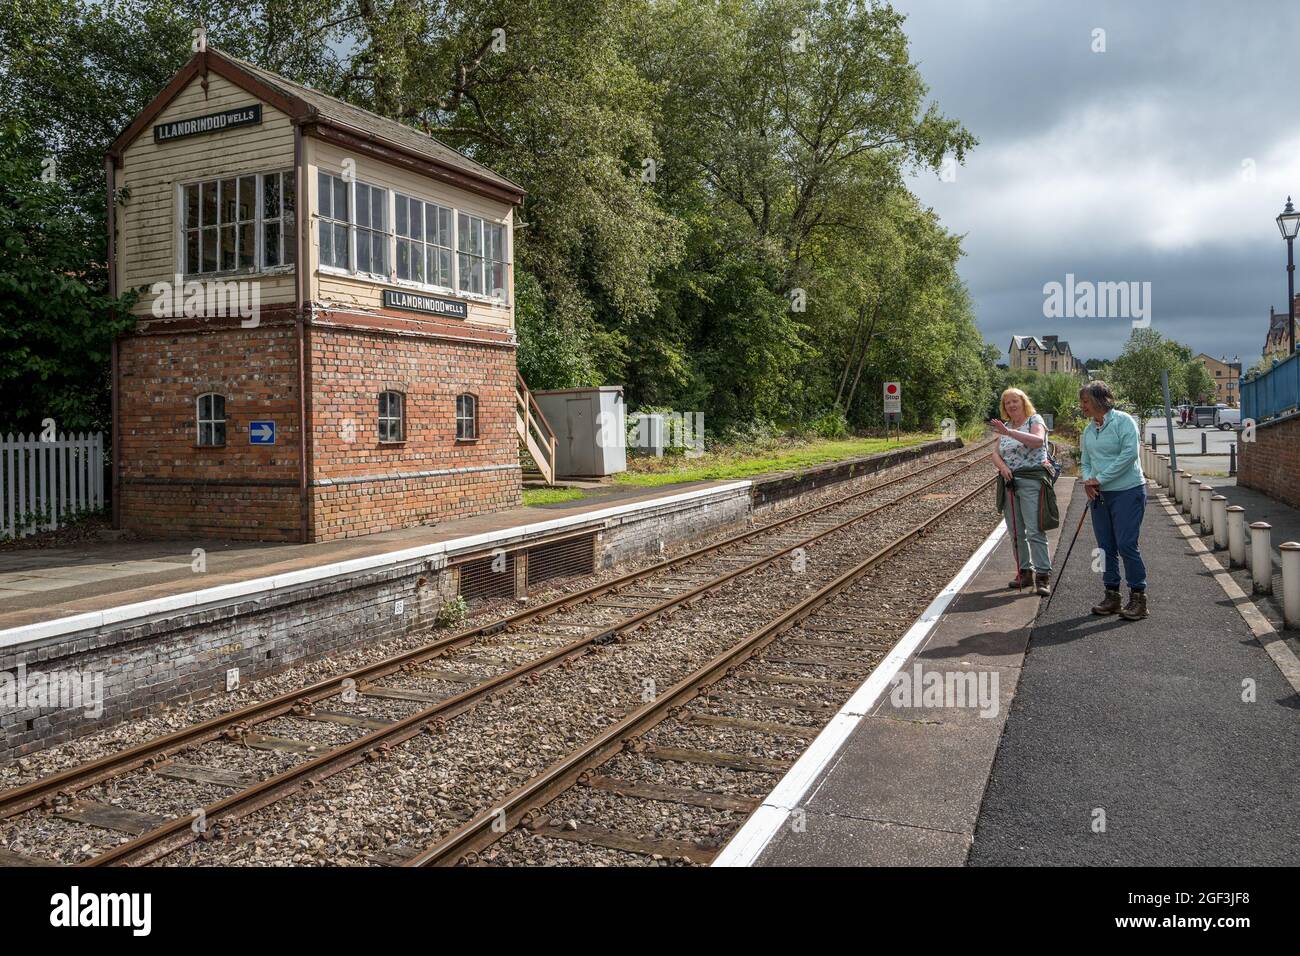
{"x": 1162, "y": 160}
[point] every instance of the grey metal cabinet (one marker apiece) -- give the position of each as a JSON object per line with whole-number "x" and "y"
{"x": 590, "y": 426}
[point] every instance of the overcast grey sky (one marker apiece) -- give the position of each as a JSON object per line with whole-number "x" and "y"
{"x": 1163, "y": 159}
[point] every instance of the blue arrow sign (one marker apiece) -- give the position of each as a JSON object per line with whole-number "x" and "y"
{"x": 261, "y": 433}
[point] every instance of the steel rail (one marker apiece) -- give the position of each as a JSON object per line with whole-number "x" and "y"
{"x": 43, "y": 791}
{"x": 525, "y": 803}
{"x": 176, "y": 833}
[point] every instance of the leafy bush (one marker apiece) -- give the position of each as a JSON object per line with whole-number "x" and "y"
{"x": 452, "y": 613}
{"x": 830, "y": 424}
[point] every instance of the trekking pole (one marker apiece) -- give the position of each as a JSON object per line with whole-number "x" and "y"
{"x": 1015, "y": 537}
{"x": 1087, "y": 503}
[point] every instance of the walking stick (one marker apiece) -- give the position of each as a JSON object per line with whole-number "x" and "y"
{"x": 1015, "y": 538}
{"x": 1087, "y": 503}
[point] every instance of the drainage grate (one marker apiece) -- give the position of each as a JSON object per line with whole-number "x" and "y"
{"x": 492, "y": 577}
{"x": 485, "y": 579}
{"x": 561, "y": 559}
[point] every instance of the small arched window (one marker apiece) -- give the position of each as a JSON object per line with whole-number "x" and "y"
{"x": 210, "y": 415}
{"x": 392, "y": 417}
{"x": 466, "y": 417}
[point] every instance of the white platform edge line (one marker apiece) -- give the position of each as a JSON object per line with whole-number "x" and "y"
{"x": 750, "y": 840}
{"x": 26, "y": 633}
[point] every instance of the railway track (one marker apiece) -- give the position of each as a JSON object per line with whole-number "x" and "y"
{"x": 807, "y": 634}
{"x": 366, "y": 714}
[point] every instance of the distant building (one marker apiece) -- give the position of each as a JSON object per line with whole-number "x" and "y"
{"x": 1227, "y": 377}
{"x": 1042, "y": 353}
{"x": 1275, "y": 343}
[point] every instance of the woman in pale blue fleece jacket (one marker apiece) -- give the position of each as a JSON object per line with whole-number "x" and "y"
{"x": 1113, "y": 481}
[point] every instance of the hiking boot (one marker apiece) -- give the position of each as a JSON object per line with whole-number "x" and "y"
{"x": 1043, "y": 584}
{"x": 1137, "y": 606}
{"x": 1110, "y": 605}
{"x": 1024, "y": 580}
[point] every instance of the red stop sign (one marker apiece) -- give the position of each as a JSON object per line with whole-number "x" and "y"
{"x": 891, "y": 389}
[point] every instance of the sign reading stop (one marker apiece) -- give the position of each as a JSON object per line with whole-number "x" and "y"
{"x": 893, "y": 398}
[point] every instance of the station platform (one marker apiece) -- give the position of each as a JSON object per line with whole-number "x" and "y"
{"x": 54, "y": 591}
{"x": 1113, "y": 742}
{"x": 44, "y": 584}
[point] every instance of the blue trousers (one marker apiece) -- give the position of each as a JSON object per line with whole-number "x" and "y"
{"x": 1117, "y": 522}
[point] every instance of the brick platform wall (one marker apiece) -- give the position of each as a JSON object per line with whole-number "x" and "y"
{"x": 134, "y": 670}
{"x": 1271, "y": 463}
{"x": 171, "y": 487}
{"x": 361, "y": 485}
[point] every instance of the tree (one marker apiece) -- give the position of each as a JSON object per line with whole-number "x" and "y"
{"x": 57, "y": 322}
{"x": 1056, "y": 394}
{"x": 1137, "y": 370}
{"x": 717, "y": 213}
{"x": 1198, "y": 384}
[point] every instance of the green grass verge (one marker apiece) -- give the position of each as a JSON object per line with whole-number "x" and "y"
{"x": 550, "y": 496}
{"x": 741, "y": 462}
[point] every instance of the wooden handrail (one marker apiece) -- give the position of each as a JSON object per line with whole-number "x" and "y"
{"x": 535, "y": 427}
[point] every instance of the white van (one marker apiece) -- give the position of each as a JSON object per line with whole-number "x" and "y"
{"x": 1225, "y": 418}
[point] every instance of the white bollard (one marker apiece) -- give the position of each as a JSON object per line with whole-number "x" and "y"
{"x": 1220, "y": 505}
{"x": 1194, "y": 499}
{"x": 1261, "y": 557}
{"x": 1207, "y": 510}
{"x": 1164, "y": 472}
{"x": 1177, "y": 487}
{"x": 1236, "y": 536}
{"x": 1189, "y": 482}
{"x": 1291, "y": 584}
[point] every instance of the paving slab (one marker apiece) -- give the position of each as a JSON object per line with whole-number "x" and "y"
{"x": 849, "y": 841}
{"x": 910, "y": 772}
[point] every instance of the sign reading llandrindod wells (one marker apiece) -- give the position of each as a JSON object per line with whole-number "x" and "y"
{"x": 212, "y": 123}
{"x": 413, "y": 302}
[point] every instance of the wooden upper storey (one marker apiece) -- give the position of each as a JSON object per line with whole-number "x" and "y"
{"x": 233, "y": 173}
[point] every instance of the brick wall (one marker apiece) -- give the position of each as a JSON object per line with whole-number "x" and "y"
{"x": 1271, "y": 462}
{"x": 347, "y": 510}
{"x": 171, "y": 487}
{"x": 361, "y": 485}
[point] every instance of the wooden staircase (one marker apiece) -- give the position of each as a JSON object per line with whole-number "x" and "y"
{"x": 535, "y": 434}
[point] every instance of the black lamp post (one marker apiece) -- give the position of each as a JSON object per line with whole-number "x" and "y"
{"x": 1288, "y": 222}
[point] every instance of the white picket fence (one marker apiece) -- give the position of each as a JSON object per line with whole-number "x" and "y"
{"x": 43, "y": 484}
